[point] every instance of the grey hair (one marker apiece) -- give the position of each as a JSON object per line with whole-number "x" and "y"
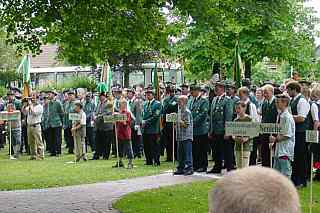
{"x": 254, "y": 190}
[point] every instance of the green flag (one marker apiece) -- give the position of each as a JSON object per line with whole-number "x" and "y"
{"x": 237, "y": 66}
{"x": 156, "y": 86}
{"x": 109, "y": 78}
{"x": 24, "y": 68}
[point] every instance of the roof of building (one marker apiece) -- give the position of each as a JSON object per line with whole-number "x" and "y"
{"x": 47, "y": 58}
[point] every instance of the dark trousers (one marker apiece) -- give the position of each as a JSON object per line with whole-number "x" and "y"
{"x": 254, "y": 152}
{"x": 168, "y": 137}
{"x": 265, "y": 150}
{"x": 54, "y": 139}
{"x": 136, "y": 143}
{"x": 222, "y": 150}
{"x": 103, "y": 144}
{"x": 69, "y": 139}
{"x": 299, "y": 166}
{"x": 45, "y": 138}
{"x": 151, "y": 149}
{"x": 200, "y": 151}
{"x": 90, "y": 138}
{"x": 2, "y": 136}
{"x": 24, "y": 141}
{"x": 113, "y": 142}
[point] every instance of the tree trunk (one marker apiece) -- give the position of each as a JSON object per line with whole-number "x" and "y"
{"x": 126, "y": 72}
{"x": 216, "y": 68}
{"x": 247, "y": 70}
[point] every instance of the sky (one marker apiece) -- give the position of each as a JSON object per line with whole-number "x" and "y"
{"x": 316, "y": 5}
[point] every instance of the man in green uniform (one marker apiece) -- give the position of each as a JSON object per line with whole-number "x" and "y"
{"x": 221, "y": 111}
{"x": 199, "y": 107}
{"x": 69, "y": 107}
{"x": 54, "y": 115}
{"x": 151, "y": 129}
{"x": 170, "y": 105}
{"x": 89, "y": 108}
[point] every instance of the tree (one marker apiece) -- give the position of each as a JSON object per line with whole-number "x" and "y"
{"x": 88, "y": 32}
{"x": 279, "y": 29}
{"x": 8, "y": 58}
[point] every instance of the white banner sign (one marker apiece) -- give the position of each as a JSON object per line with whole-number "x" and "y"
{"x": 271, "y": 128}
{"x": 115, "y": 118}
{"x": 74, "y": 116}
{"x": 252, "y": 129}
{"x": 312, "y": 136}
{"x": 10, "y": 116}
{"x": 171, "y": 118}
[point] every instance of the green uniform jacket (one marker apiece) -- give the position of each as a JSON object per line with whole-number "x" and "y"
{"x": 169, "y": 105}
{"x": 221, "y": 111}
{"x": 151, "y": 117}
{"x": 68, "y": 108}
{"x": 54, "y": 114}
{"x": 199, "y": 108}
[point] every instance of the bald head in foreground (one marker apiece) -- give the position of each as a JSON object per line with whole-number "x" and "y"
{"x": 254, "y": 190}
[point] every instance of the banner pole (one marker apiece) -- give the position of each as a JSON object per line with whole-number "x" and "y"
{"x": 173, "y": 136}
{"x": 117, "y": 145}
{"x": 10, "y": 142}
{"x": 271, "y": 154}
{"x": 311, "y": 185}
{"x": 242, "y": 155}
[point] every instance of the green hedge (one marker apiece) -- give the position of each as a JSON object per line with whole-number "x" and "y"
{"x": 76, "y": 82}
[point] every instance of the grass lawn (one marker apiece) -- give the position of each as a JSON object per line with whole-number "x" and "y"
{"x": 187, "y": 198}
{"x": 54, "y": 171}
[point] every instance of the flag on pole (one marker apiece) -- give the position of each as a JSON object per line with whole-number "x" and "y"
{"x": 106, "y": 77}
{"x": 24, "y": 68}
{"x": 156, "y": 86}
{"x": 237, "y": 69}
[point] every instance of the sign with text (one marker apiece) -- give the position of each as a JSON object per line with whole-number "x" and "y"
{"x": 271, "y": 128}
{"x": 120, "y": 117}
{"x": 249, "y": 129}
{"x": 74, "y": 116}
{"x": 312, "y": 136}
{"x": 171, "y": 118}
{"x": 114, "y": 118}
{"x": 10, "y": 116}
{"x": 108, "y": 118}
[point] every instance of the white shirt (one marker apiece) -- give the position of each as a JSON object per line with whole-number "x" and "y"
{"x": 286, "y": 147}
{"x": 83, "y": 120}
{"x": 34, "y": 116}
{"x": 315, "y": 111}
{"x": 253, "y": 111}
{"x": 303, "y": 106}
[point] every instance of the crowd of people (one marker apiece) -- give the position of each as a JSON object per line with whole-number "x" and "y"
{"x": 198, "y": 134}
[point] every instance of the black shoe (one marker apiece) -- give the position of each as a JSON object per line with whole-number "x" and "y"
{"x": 201, "y": 170}
{"x": 214, "y": 171}
{"x": 53, "y": 155}
{"x": 179, "y": 172}
{"x": 189, "y": 172}
{"x": 118, "y": 165}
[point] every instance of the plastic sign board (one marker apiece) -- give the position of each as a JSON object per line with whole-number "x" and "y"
{"x": 312, "y": 136}
{"x": 74, "y": 116}
{"x": 171, "y": 118}
{"x": 271, "y": 128}
{"x": 114, "y": 118}
{"x": 108, "y": 118}
{"x": 10, "y": 116}
{"x": 249, "y": 129}
{"x": 119, "y": 117}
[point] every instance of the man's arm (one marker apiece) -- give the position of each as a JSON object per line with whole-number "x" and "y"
{"x": 303, "y": 109}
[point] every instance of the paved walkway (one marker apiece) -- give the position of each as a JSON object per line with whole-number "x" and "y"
{"x": 85, "y": 198}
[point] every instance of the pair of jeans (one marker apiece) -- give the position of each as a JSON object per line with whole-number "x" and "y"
{"x": 184, "y": 155}
{"x": 15, "y": 141}
{"x": 283, "y": 166}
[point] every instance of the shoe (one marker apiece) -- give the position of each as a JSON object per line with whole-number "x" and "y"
{"x": 214, "y": 171}
{"x": 189, "y": 172}
{"x": 32, "y": 158}
{"x": 118, "y": 165}
{"x": 200, "y": 170}
{"x": 178, "y": 172}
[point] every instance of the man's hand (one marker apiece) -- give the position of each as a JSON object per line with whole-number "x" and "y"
{"x": 272, "y": 139}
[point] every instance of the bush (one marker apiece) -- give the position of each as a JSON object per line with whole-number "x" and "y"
{"x": 3, "y": 91}
{"x": 76, "y": 82}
